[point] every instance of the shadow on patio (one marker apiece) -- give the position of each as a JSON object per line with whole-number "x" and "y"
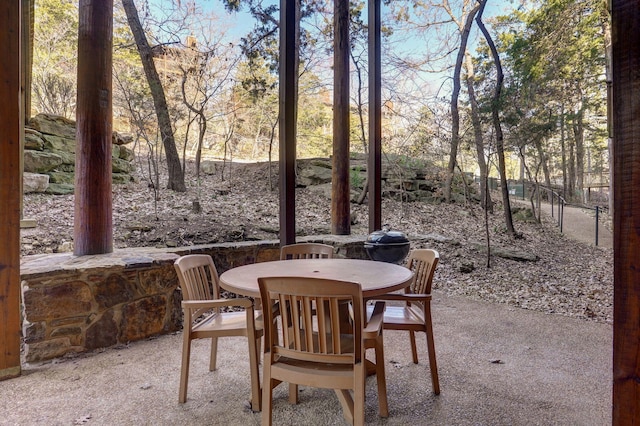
{"x": 498, "y": 365}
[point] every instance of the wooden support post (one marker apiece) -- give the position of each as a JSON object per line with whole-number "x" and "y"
{"x": 27, "y": 54}
{"x": 340, "y": 183}
{"x": 287, "y": 136}
{"x": 626, "y": 216}
{"x": 10, "y": 193}
{"x": 374, "y": 170}
{"x": 93, "y": 229}
{"x": 26, "y": 64}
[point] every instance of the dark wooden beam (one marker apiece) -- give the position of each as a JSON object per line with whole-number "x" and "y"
{"x": 10, "y": 188}
{"x": 287, "y": 135}
{"x": 626, "y": 219}
{"x": 374, "y": 168}
{"x": 27, "y": 53}
{"x": 26, "y": 65}
{"x": 340, "y": 185}
{"x": 93, "y": 228}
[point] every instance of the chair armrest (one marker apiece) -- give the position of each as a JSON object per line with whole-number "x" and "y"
{"x": 217, "y": 303}
{"x": 374, "y": 325}
{"x": 407, "y": 297}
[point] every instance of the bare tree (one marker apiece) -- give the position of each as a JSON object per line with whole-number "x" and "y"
{"x": 455, "y": 114}
{"x": 495, "y": 109}
{"x": 176, "y": 173}
{"x": 207, "y": 65}
{"x": 485, "y": 197}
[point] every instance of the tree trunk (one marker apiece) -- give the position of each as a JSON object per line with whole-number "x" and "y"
{"x": 455, "y": 114}
{"x": 563, "y": 146}
{"x": 202, "y": 130}
{"x": 485, "y": 197}
{"x": 543, "y": 159}
{"x": 578, "y": 131}
{"x": 202, "y": 120}
{"x": 176, "y": 174}
{"x": 606, "y": 30}
{"x": 495, "y": 106}
{"x": 571, "y": 179}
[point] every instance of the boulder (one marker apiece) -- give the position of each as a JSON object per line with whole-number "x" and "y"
{"x": 58, "y": 143}
{"x": 60, "y": 189}
{"x": 53, "y": 125}
{"x": 33, "y": 139}
{"x": 34, "y": 182}
{"x": 324, "y": 189}
{"x": 67, "y": 157}
{"x": 121, "y": 138}
{"x": 125, "y": 153}
{"x": 61, "y": 177}
{"x": 40, "y": 161}
{"x": 121, "y": 166}
{"x": 65, "y": 167}
{"x": 314, "y": 175}
{"x": 208, "y": 167}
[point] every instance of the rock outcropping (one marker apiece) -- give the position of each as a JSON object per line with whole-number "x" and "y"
{"x": 50, "y": 153}
{"x": 402, "y": 179}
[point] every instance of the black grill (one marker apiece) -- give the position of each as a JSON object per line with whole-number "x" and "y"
{"x": 387, "y": 245}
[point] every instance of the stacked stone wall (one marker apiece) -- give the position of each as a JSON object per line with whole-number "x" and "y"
{"x": 75, "y": 304}
{"x": 50, "y": 154}
{"x": 401, "y": 179}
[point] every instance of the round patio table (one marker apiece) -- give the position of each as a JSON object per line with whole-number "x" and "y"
{"x": 375, "y": 278}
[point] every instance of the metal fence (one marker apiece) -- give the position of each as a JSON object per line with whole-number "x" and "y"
{"x": 561, "y": 202}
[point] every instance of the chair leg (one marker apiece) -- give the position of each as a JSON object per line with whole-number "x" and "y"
{"x": 293, "y": 393}
{"x": 267, "y": 394}
{"x": 432, "y": 353}
{"x": 358, "y": 394}
{"x": 214, "y": 353}
{"x": 256, "y": 403}
{"x": 184, "y": 370}
{"x": 347, "y": 403}
{"x": 414, "y": 350}
{"x": 381, "y": 379}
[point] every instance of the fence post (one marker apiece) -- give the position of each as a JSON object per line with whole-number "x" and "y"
{"x": 597, "y": 214}
{"x": 538, "y": 201}
{"x": 552, "y": 196}
{"x": 561, "y": 215}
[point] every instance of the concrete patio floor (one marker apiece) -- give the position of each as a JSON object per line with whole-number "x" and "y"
{"x": 498, "y": 365}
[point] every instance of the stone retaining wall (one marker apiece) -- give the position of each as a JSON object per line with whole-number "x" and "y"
{"x": 50, "y": 155}
{"x": 75, "y": 304}
{"x": 402, "y": 179}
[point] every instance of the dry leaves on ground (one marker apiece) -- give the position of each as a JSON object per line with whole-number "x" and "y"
{"x": 570, "y": 278}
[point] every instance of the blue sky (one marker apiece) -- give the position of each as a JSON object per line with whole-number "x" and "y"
{"x": 413, "y": 46}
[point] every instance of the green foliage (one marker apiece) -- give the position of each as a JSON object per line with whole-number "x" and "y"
{"x": 55, "y": 57}
{"x": 356, "y": 177}
{"x": 553, "y": 54}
